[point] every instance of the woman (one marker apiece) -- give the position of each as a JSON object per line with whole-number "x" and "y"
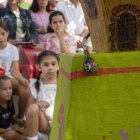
{"x": 40, "y": 17}
{"x": 20, "y": 24}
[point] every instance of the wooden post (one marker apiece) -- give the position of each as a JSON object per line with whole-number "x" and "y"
{"x": 96, "y": 24}
{"x": 114, "y": 25}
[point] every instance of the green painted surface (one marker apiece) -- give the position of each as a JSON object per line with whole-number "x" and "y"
{"x": 102, "y": 107}
{"x": 25, "y": 5}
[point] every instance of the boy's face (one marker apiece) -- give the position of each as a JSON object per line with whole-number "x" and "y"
{"x": 5, "y": 90}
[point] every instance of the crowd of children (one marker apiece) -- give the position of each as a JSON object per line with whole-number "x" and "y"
{"x": 44, "y": 25}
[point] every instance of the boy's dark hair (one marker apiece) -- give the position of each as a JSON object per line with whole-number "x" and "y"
{"x": 54, "y": 14}
{"x": 40, "y": 58}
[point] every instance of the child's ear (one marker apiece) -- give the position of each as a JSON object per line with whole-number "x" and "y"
{"x": 58, "y": 68}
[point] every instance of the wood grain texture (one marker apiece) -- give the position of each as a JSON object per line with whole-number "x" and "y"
{"x": 99, "y": 27}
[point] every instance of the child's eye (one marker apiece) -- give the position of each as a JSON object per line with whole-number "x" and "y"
{"x": 3, "y": 34}
{"x": 54, "y": 22}
{"x": 60, "y": 21}
{"x": 3, "y": 88}
{"x": 53, "y": 64}
{"x": 10, "y": 88}
{"x": 45, "y": 64}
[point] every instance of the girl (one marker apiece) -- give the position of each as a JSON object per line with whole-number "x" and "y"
{"x": 40, "y": 17}
{"x": 7, "y": 111}
{"x": 20, "y": 24}
{"x": 57, "y": 39}
{"x": 43, "y": 92}
{"x": 9, "y": 58}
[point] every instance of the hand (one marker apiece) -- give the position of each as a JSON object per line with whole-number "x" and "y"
{"x": 79, "y": 39}
{"x": 43, "y": 104}
{"x": 13, "y": 42}
{"x": 33, "y": 42}
{"x": 19, "y": 122}
{"x": 24, "y": 81}
{"x": 19, "y": 130}
{"x": 60, "y": 31}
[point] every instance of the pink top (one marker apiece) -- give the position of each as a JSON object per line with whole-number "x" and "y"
{"x": 40, "y": 20}
{"x": 53, "y": 43}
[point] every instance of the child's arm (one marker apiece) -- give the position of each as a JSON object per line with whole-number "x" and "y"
{"x": 2, "y": 130}
{"x": 16, "y": 73}
{"x": 19, "y": 130}
{"x": 61, "y": 34}
{"x": 64, "y": 48}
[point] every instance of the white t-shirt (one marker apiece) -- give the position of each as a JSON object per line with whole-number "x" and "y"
{"x": 47, "y": 92}
{"x": 74, "y": 16}
{"x": 7, "y": 56}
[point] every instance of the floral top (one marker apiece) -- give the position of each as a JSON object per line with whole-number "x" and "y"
{"x": 53, "y": 43}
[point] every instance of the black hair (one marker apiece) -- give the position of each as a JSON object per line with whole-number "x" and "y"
{"x": 35, "y": 7}
{"x": 40, "y": 58}
{"x": 54, "y": 14}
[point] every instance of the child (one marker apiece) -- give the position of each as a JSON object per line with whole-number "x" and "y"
{"x": 43, "y": 91}
{"x": 7, "y": 111}
{"x": 57, "y": 39}
{"x": 9, "y": 58}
